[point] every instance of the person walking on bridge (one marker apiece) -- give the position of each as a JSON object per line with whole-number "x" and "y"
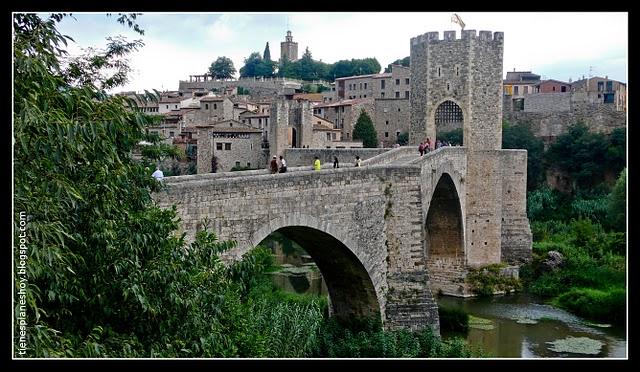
{"x": 283, "y": 165}
{"x": 358, "y": 161}
{"x": 335, "y": 162}
{"x": 316, "y": 164}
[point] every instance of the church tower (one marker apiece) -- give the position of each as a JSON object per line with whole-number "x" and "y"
{"x": 289, "y": 48}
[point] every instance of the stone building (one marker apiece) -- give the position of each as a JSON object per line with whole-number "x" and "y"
{"x": 552, "y": 86}
{"x": 520, "y": 83}
{"x": 394, "y": 84}
{"x": 215, "y": 108}
{"x": 344, "y": 114}
{"x": 289, "y": 48}
{"x": 602, "y": 90}
{"x": 232, "y": 143}
{"x": 324, "y": 134}
{"x": 291, "y": 125}
{"x": 391, "y": 118}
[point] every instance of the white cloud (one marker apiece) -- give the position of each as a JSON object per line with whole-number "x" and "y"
{"x": 532, "y": 40}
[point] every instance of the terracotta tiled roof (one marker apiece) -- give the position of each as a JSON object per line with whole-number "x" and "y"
{"x": 344, "y": 102}
{"x": 211, "y": 99}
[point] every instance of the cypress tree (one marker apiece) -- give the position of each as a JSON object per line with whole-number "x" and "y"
{"x": 365, "y": 131}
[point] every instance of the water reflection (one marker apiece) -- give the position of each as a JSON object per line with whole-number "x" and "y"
{"x": 522, "y": 328}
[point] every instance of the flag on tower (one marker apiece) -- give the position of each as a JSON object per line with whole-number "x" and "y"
{"x": 456, "y": 19}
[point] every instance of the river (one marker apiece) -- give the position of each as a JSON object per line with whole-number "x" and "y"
{"x": 520, "y": 326}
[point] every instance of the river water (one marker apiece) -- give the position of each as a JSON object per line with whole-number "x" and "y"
{"x": 520, "y": 326}
{"x": 511, "y": 326}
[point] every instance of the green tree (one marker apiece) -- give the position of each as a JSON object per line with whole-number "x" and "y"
{"x": 267, "y": 53}
{"x": 109, "y": 274}
{"x": 519, "y": 136}
{"x": 365, "y": 131}
{"x": 581, "y": 154}
{"x": 222, "y": 68}
{"x": 455, "y": 137}
{"x": 404, "y": 62}
{"x": 617, "y": 203}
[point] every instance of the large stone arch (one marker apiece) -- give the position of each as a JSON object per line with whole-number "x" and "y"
{"x": 432, "y": 125}
{"x": 445, "y": 238}
{"x": 347, "y": 276}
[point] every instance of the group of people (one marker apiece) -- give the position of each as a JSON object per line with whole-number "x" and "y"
{"x": 427, "y": 145}
{"x": 336, "y": 163}
{"x": 278, "y": 167}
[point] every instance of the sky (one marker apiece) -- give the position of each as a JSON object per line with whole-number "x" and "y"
{"x": 559, "y": 46}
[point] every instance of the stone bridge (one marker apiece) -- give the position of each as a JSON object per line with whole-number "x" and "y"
{"x": 386, "y": 236}
{"x": 391, "y": 234}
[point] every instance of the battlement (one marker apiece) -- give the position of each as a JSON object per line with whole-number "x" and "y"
{"x": 451, "y": 36}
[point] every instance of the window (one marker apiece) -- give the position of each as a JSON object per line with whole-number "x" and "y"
{"x": 206, "y": 106}
{"x": 397, "y": 134}
{"x": 248, "y": 165}
{"x": 397, "y": 81}
{"x": 342, "y": 123}
{"x": 215, "y": 106}
{"x": 365, "y": 85}
{"x": 515, "y": 90}
{"x": 167, "y": 107}
{"x": 342, "y": 108}
{"x": 259, "y": 121}
{"x": 237, "y": 164}
{"x": 406, "y": 81}
{"x": 398, "y": 109}
{"x": 397, "y": 94}
{"x": 526, "y": 89}
{"x": 609, "y": 86}
{"x": 218, "y": 146}
{"x": 457, "y": 71}
{"x": 563, "y": 89}
{"x": 328, "y": 136}
{"x": 406, "y": 94}
{"x": 382, "y": 95}
{"x": 448, "y": 87}
{"x": 600, "y": 86}
{"x": 387, "y": 122}
{"x": 244, "y": 121}
{"x": 365, "y": 96}
{"x": 382, "y": 84}
{"x": 171, "y": 134}
{"x": 386, "y": 134}
{"x": 176, "y": 106}
{"x": 360, "y": 86}
{"x": 227, "y": 146}
{"x": 439, "y": 72}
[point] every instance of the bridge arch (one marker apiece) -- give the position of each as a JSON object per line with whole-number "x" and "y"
{"x": 348, "y": 278}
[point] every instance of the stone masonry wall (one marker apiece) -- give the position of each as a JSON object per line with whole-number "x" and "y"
{"x": 391, "y": 116}
{"x": 374, "y": 212}
{"x": 547, "y": 102}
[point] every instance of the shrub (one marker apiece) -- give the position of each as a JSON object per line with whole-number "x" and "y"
{"x": 487, "y": 280}
{"x": 602, "y": 305}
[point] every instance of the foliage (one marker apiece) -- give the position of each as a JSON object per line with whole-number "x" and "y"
{"x": 593, "y": 260}
{"x": 452, "y": 319}
{"x": 266, "y": 56}
{"x": 352, "y": 67}
{"x": 241, "y": 168}
{"x": 365, "y": 338}
{"x": 585, "y": 156}
{"x": 306, "y": 68}
{"x": 602, "y": 305}
{"x": 403, "y": 62}
{"x": 487, "y": 280}
{"x": 454, "y": 137}
{"x": 364, "y": 130}
{"x": 222, "y": 68}
{"x": 243, "y": 91}
{"x": 520, "y": 136}
{"x": 616, "y": 204}
{"x": 254, "y": 65}
{"x": 403, "y": 139}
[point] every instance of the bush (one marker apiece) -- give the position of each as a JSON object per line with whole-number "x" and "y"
{"x": 487, "y": 280}
{"x": 601, "y": 305}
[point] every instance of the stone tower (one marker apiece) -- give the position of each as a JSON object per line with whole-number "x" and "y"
{"x": 291, "y": 125}
{"x": 462, "y": 79}
{"x": 289, "y": 48}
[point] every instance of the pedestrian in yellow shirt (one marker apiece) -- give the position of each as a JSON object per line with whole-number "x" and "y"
{"x": 316, "y": 164}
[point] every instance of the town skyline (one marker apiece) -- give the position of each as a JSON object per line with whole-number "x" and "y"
{"x": 181, "y": 44}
